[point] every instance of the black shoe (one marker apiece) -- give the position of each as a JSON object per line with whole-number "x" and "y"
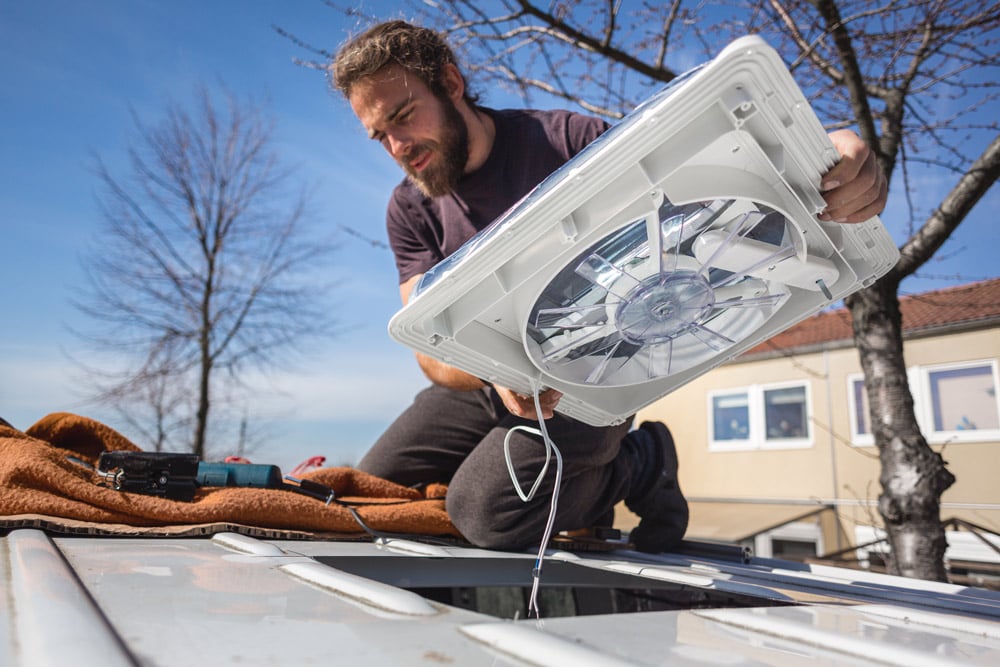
{"x": 661, "y": 506}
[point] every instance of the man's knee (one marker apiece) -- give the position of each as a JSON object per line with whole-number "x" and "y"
{"x": 484, "y": 520}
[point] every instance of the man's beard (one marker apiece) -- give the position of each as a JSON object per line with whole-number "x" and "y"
{"x": 451, "y": 153}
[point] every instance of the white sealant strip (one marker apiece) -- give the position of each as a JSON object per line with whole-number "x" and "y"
{"x": 412, "y": 548}
{"x": 247, "y": 545}
{"x": 534, "y": 647}
{"x": 368, "y": 592}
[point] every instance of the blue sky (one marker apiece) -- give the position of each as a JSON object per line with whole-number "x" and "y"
{"x": 71, "y": 73}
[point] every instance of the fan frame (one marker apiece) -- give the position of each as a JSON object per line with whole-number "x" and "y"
{"x": 736, "y": 128}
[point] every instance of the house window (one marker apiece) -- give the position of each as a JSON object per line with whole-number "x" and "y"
{"x": 964, "y": 399}
{"x": 861, "y": 433}
{"x": 952, "y": 402}
{"x": 785, "y": 413}
{"x": 760, "y": 417}
{"x": 731, "y": 417}
{"x": 959, "y": 402}
{"x": 798, "y": 540}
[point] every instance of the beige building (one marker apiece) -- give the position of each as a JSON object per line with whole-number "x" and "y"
{"x": 775, "y": 448}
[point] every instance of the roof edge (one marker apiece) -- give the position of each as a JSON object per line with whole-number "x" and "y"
{"x": 841, "y": 343}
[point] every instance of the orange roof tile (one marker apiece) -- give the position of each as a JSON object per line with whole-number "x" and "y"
{"x": 964, "y": 304}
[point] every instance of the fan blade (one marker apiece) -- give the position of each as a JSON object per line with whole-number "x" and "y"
{"x": 755, "y": 301}
{"x": 713, "y": 339}
{"x": 698, "y": 218}
{"x": 556, "y": 317}
{"x": 660, "y": 356}
{"x": 597, "y": 374}
{"x": 604, "y": 274}
{"x": 665, "y": 228}
{"x": 654, "y": 239}
{"x": 749, "y": 221}
{"x": 782, "y": 253}
{"x": 575, "y": 341}
{"x": 744, "y": 289}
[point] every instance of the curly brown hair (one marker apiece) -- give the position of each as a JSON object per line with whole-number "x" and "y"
{"x": 421, "y": 51}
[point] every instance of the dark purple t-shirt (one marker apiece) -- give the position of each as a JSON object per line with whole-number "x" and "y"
{"x": 528, "y": 146}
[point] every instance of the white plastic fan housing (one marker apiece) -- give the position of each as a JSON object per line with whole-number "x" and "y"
{"x": 682, "y": 237}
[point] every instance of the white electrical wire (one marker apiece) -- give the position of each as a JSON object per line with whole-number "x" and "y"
{"x": 536, "y": 573}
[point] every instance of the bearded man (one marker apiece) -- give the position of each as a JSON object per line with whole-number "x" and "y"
{"x": 465, "y": 165}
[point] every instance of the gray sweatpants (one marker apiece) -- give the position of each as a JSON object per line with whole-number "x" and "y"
{"x": 456, "y": 437}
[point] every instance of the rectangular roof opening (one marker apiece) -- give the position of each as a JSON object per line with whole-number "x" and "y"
{"x": 500, "y": 587}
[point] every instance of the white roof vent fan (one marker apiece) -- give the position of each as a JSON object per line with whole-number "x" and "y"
{"x": 683, "y": 236}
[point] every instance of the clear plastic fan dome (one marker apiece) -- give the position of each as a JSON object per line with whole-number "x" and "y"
{"x": 641, "y": 304}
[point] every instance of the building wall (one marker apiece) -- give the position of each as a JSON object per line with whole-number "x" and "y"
{"x": 829, "y": 467}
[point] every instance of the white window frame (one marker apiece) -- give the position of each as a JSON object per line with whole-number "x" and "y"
{"x": 800, "y": 531}
{"x": 857, "y": 439}
{"x": 757, "y": 437}
{"x": 921, "y": 389}
{"x": 919, "y": 378}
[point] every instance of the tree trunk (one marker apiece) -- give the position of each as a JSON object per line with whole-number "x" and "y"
{"x": 201, "y": 419}
{"x": 913, "y": 476}
{"x": 204, "y": 366}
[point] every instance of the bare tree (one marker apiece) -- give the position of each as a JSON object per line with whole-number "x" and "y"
{"x": 202, "y": 272}
{"x": 918, "y": 79}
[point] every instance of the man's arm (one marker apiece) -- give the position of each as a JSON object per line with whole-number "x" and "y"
{"x": 442, "y": 374}
{"x": 436, "y": 371}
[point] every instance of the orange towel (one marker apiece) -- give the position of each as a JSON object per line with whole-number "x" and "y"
{"x": 36, "y": 478}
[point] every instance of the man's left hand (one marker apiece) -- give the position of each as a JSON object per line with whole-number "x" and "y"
{"x": 856, "y": 188}
{"x": 524, "y": 406}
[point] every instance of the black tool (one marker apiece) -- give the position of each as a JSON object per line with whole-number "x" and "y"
{"x": 177, "y": 476}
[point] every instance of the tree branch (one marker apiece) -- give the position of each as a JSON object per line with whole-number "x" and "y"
{"x": 588, "y": 43}
{"x": 969, "y": 190}
{"x": 853, "y": 79}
